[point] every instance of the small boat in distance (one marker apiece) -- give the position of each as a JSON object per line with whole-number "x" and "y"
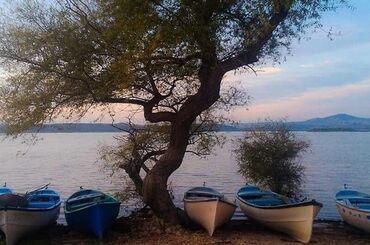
{"x": 23, "y": 214}
{"x": 91, "y": 210}
{"x": 208, "y": 207}
{"x": 280, "y": 213}
{"x": 354, "y": 207}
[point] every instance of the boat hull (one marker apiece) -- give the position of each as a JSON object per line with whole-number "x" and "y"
{"x": 209, "y": 213}
{"x": 294, "y": 220}
{"x": 95, "y": 218}
{"x": 17, "y": 223}
{"x": 355, "y": 217}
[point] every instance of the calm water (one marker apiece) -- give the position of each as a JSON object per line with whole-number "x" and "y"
{"x": 70, "y": 160}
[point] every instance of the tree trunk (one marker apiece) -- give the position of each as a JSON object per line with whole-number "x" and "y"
{"x": 155, "y": 192}
{"x": 134, "y": 175}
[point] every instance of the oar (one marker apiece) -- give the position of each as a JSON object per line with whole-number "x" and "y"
{"x": 40, "y": 188}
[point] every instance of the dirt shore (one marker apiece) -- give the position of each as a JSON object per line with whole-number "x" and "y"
{"x": 143, "y": 229}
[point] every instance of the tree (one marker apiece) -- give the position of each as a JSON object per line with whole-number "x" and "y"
{"x": 166, "y": 57}
{"x": 267, "y": 155}
{"x": 139, "y": 149}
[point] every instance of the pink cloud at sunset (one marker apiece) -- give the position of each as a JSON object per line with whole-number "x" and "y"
{"x": 310, "y": 102}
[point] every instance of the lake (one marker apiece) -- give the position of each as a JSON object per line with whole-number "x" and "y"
{"x": 69, "y": 160}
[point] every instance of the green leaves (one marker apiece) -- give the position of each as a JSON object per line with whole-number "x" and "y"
{"x": 267, "y": 156}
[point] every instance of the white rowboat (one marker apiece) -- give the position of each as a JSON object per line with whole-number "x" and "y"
{"x": 354, "y": 207}
{"x": 34, "y": 210}
{"x": 280, "y": 213}
{"x": 208, "y": 208}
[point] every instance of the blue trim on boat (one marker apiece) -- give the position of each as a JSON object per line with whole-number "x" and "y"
{"x": 37, "y": 201}
{"x": 4, "y": 190}
{"x": 255, "y": 197}
{"x": 353, "y": 199}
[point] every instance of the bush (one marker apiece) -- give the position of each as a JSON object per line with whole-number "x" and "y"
{"x": 268, "y": 156}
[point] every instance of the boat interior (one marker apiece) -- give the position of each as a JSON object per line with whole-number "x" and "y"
{"x": 354, "y": 198}
{"x": 86, "y": 198}
{"x": 13, "y": 200}
{"x": 42, "y": 199}
{"x": 257, "y": 197}
{"x": 361, "y": 203}
{"x": 263, "y": 199}
{"x": 202, "y": 193}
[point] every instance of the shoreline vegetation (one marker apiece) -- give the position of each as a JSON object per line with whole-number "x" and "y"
{"x": 142, "y": 228}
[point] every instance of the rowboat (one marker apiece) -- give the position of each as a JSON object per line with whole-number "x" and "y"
{"x": 4, "y": 189}
{"x": 23, "y": 214}
{"x": 278, "y": 212}
{"x": 354, "y": 207}
{"x": 208, "y": 208}
{"x": 92, "y": 211}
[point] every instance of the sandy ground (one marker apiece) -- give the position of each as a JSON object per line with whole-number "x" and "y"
{"x": 249, "y": 233}
{"x": 143, "y": 230}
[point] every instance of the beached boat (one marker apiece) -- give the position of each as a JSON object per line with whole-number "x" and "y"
{"x": 23, "y": 214}
{"x": 283, "y": 214}
{"x": 354, "y": 207}
{"x": 208, "y": 207}
{"x": 92, "y": 211}
{"x": 4, "y": 189}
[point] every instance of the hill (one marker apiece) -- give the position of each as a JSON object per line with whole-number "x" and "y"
{"x": 338, "y": 122}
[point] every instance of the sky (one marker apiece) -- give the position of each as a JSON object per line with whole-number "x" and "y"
{"x": 322, "y": 77}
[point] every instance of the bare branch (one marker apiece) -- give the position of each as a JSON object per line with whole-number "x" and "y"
{"x": 250, "y": 53}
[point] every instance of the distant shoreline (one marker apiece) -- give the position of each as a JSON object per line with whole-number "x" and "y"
{"x": 335, "y": 123}
{"x": 320, "y": 130}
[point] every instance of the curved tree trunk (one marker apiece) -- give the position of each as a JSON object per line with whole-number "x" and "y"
{"x": 155, "y": 191}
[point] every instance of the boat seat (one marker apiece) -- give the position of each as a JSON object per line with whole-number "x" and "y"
{"x": 358, "y": 200}
{"x": 253, "y": 194}
{"x": 364, "y": 206}
{"x": 86, "y": 197}
{"x": 267, "y": 202}
{"x": 40, "y": 205}
{"x": 201, "y": 195}
{"x": 77, "y": 206}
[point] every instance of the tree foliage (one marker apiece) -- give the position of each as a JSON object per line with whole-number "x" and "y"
{"x": 74, "y": 54}
{"x": 268, "y": 156}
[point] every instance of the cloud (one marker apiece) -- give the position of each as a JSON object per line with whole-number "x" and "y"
{"x": 310, "y": 101}
{"x": 324, "y": 63}
{"x": 270, "y": 70}
{"x": 242, "y": 73}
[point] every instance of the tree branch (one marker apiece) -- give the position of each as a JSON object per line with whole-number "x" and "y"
{"x": 250, "y": 54}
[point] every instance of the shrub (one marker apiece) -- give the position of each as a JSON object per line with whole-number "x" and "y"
{"x": 268, "y": 156}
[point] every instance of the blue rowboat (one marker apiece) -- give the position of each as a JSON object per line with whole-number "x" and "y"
{"x": 290, "y": 216}
{"x": 23, "y": 214}
{"x": 4, "y": 189}
{"x": 354, "y": 207}
{"x": 92, "y": 211}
